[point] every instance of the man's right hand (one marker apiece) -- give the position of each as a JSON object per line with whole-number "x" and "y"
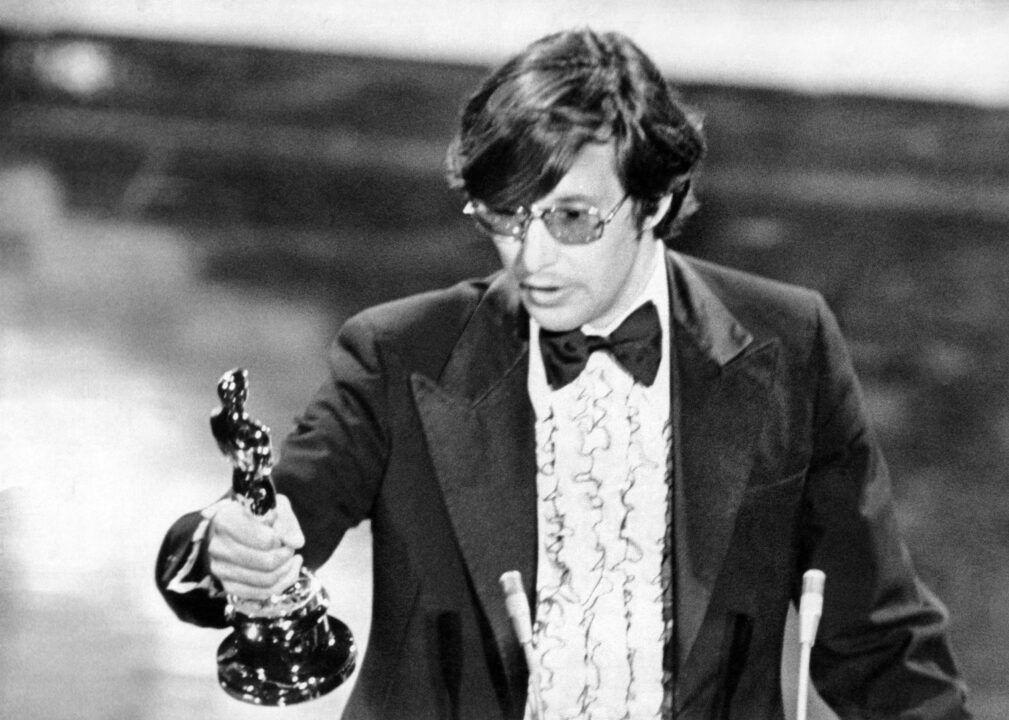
{"x": 253, "y": 558}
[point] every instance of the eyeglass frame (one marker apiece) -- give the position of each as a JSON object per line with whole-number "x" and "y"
{"x": 522, "y": 229}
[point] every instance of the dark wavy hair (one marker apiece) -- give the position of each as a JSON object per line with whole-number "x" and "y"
{"x": 522, "y": 129}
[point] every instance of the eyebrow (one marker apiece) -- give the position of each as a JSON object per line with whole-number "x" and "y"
{"x": 573, "y": 198}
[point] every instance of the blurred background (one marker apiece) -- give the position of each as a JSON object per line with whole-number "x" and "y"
{"x": 190, "y": 186}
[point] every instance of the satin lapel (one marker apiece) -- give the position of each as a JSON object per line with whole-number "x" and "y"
{"x": 721, "y": 378}
{"x": 479, "y": 427}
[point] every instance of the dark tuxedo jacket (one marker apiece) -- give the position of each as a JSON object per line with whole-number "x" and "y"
{"x": 425, "y": 428}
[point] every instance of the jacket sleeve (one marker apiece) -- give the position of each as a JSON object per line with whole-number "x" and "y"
{"x": 182, "y": 575}
{"x": 332, "y": 463}
{"x": 882, "y": 650}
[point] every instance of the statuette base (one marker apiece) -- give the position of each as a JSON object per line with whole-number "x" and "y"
{"x": 254, "y": 666}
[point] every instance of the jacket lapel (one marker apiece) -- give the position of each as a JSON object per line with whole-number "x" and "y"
{"x": 479, "y": 427}
{"x": 720, "y": 381}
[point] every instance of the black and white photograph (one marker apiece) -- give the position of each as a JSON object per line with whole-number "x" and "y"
{"x": 471, "y": 360}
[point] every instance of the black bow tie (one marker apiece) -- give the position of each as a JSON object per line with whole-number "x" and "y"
{"x": 636, "y": 344}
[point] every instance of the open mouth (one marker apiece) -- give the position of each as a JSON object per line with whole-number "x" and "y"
{"x": 542, "y": 294}
{"x": 544, "y": 284}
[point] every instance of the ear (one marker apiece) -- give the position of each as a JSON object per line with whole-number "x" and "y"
{"x": 652, "y": 220}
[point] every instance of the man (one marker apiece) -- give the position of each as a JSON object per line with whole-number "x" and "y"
{"x": 661, "y": 492}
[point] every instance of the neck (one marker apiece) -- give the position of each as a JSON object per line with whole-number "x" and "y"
{"x": 637, "y": 285}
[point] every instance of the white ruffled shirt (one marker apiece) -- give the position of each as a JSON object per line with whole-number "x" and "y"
{"x": 602, "y": 446}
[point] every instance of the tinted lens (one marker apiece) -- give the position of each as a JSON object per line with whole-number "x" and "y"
{"x": 573, "y": 226}
{"x": 498, "y": 223}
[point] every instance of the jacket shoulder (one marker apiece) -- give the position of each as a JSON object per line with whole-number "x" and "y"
{"x": 729, "y": 283}
{"x": 764, "y": 306}
{"x": 420, "y": 329}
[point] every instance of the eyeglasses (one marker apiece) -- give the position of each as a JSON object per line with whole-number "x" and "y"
{"x": 568, "y": 224}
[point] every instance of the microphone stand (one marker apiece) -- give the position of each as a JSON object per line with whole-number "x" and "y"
{"x": 518, "y": 610}
{"x": 810, "y": 610}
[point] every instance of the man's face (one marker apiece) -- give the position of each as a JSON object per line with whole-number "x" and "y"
{"x": 566, "y": 286}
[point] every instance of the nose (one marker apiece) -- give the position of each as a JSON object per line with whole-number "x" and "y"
{"x": 539, "y": 249}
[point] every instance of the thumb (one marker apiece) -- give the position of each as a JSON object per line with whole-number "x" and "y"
{"x": 286, "y": 525}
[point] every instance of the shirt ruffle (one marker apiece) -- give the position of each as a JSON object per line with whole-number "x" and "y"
{"x": 600, "y": 631}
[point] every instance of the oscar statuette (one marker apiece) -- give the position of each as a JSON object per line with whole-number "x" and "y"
{"x": 285, "y": 649}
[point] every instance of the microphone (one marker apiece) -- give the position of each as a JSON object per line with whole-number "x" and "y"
{"x": 810, "y": 610}
{"x": 517, "y": 606}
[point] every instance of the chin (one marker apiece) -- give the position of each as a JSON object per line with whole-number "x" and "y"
{"x": 556, "y": 321}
